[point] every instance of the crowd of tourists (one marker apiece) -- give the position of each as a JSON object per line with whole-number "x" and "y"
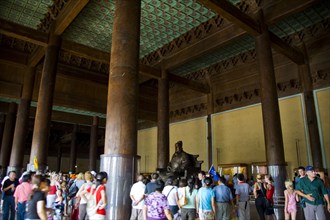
{"x": 54, "y": 196}
{"x": 201, "y": 196}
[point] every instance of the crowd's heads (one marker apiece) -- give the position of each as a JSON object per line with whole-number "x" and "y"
{"x": 182, "y": 183}
{"x": 268, "y": 178}
{"x": 88, "y": 176}
{"x": 154, "y": 176}
{"x": 80, "y": 176}
{"x": 101, "y": 177}
{"x": 222, "y": 179}
{"x": 208, "y": 181}
{"x": 26, "y": 177}
{"x": 41, "y": 182}
{"x": 169, "y": 182}
{"x": 289, "y": 184}
{"x": 12, "y": 175}
{"x": 240, "y": 177}
{"x": 301, "y": 171}
{"x": 309, "y": 168}
{"x": 259, "y": 177}
{"x": 140, "y": 178}
{"x": 310, "y": 172}
{"x": 201, "y": 175}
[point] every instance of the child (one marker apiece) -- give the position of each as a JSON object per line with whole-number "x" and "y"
{"x": 65, "y": 200}
{"x": 290, "y": 207}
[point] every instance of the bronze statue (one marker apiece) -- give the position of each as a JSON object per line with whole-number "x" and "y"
{"x": 182, "y": 164}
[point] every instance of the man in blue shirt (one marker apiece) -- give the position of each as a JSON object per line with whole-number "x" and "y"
{"x": 223, "y": 197}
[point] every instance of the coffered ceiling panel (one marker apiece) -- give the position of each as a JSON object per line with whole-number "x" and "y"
{"x": 24, "y": 12}
{"x": 161, "y": 22}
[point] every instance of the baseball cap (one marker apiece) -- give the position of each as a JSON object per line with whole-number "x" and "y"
{"x": 309, "y": 168}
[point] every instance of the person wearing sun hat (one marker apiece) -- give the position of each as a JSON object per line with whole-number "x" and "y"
{"x": 313, "y": 190}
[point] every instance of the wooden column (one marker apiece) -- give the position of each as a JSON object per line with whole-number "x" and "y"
{"x": 271, "y": 113}
{"x": 210, "y": 110}
{"x": 7, "y": 138}
{"x": 59, "y": 158}
{"x": 121, "y": 126}
{"x": 45, "y": 102}
{"x": 2, "y": 125}
{"x": 163, "y": 136}
{"x": 305, "y": 77}
{"x": 73, "y": 149}
{"x": 22, "y": 123}
{"x": 93, "y": 144}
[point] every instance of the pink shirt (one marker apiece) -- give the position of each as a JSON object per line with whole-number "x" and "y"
{"x": 23, "y": 191}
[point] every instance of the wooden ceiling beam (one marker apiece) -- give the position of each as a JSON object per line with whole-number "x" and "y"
{"x": 63, "y": 20}
{"x": 214, "y": 41}
{"x": 23, "y": 33}
{"x": 275, "y": 11}
{"x": 244, "y": 21}
{"x": 68, "y": 14}
{"x": 233, "y": 14}
{"x": 191, "y": 84}
{"x": 85, "y": 51}
{"x": 14, "y": 57}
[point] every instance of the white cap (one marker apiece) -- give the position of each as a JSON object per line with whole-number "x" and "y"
{"x": 93, "y": 173}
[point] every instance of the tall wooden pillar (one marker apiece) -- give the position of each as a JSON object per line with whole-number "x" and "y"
{"x": 22, "y": 123}
{"x": 271, "y": 113}
{"x": 210, "y": 111}
{"x": 73, "y": 149}
{"x": 93, "y": 144}
{"x": 121, "y": 126}
{"x": 305, "y": 77}
{"x": 7, "y": 138}
{"x": 2, "y": 125}
{"x": 40, "y": 143}
{"x": 163, "y": 145}
{"x": 59, "y": 158}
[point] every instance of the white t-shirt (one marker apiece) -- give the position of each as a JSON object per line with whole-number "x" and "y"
{"x": 137, "y": 191}
{"x": 170, "y": 192}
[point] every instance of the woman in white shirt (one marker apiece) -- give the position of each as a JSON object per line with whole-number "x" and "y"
{"x": 171, "y": 192}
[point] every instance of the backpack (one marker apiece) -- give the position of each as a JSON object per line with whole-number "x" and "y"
{"x": 92, "y": 205}
{"x": 73, "y": 190}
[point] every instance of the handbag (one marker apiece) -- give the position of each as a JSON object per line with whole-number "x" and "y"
{"x": 268, "y": 203}
{"x": 92, "y": 205}
{"x": 183, "y": 199}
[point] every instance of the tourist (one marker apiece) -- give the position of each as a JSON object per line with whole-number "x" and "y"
{"x": 8, "y": 189}
{"x": 242, "y": 198}
{"x": 313, "y": 190}
{"x": 137, "y": 196}
{"x": 156, "y": 206}
{"x": 83, "y": 199}
{"x": 290, "y": 207}
{"x": 153, "y": 184}
{"x": 201, "y": 177}
{"x": 205, "y": 202}
{"x": 58, "y": 205}
{"x": 224, "y": 198}
{"x": 171, "y": 193}
{"x": 188, "y": 211}
{"x": 259, "y": 192}
{"x": 21, "y": 195}
{"x": 99, "y": 191}
{"x": 270, "y": 189}
{"x": 36, "y": 205}
{"x": 54, "y": 184}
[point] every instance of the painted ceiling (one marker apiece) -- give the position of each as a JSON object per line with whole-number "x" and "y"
{"x": 161, "y": 22}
